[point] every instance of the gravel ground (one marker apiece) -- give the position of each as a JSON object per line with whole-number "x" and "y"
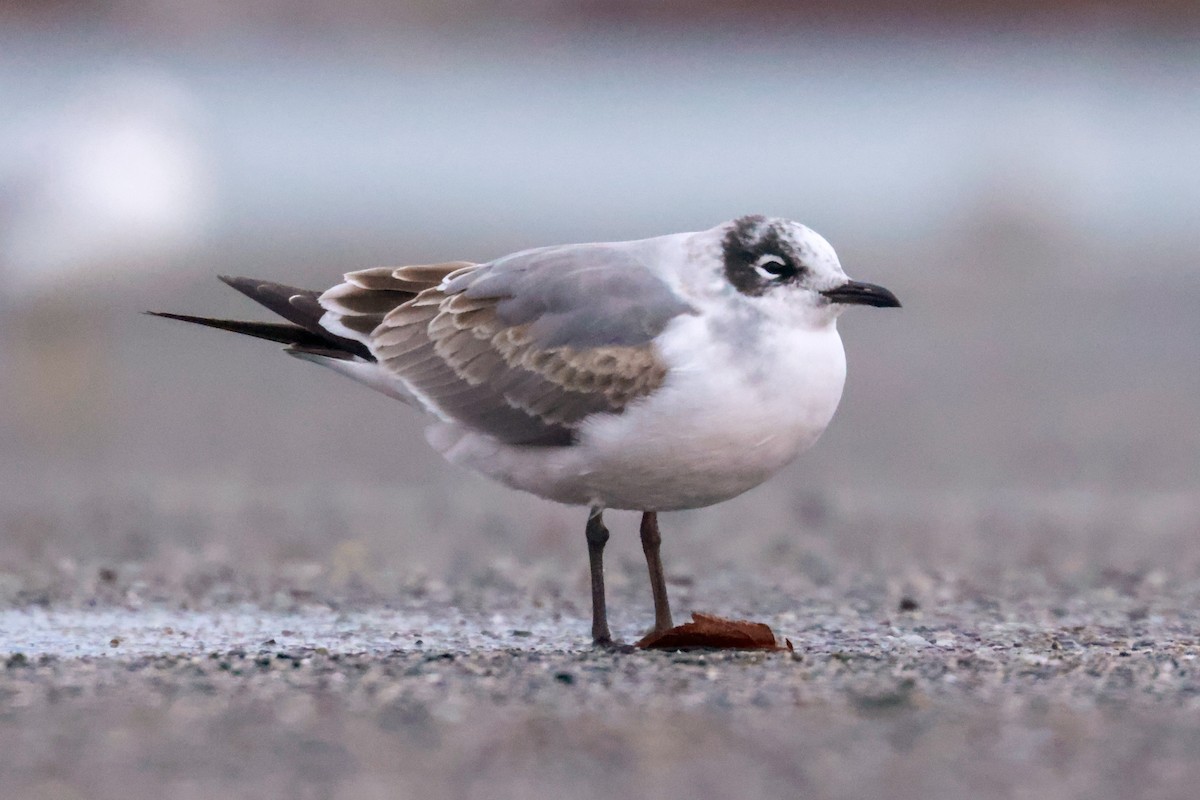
{"x": 193, "y": 640}
{"x": 1017, "y": 693}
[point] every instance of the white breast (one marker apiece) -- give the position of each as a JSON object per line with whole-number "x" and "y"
{"x": 729, "y": 417}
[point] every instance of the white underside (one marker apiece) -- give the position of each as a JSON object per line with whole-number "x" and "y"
{"x": 724, "y": 422}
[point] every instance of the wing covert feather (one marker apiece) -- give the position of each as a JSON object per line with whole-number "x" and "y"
{"x": 523, "y": 348}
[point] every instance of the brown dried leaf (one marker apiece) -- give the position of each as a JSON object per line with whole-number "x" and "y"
{"x": 706, "y": 630}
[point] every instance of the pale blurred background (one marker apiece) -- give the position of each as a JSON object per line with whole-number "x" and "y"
{"x": 1025, "y": 176}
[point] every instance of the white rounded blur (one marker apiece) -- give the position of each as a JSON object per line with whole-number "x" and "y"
{"x": 114, "y": 182}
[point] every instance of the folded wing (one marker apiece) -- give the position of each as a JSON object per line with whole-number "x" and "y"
{"x": 523, "y": 348}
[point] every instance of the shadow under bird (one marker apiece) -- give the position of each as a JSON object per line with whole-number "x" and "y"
{"x": 653, "y": 375}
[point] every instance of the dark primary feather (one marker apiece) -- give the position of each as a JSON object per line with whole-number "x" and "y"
{"x": 278, "y": 298}
{"x": 281, "y": 332}
{"x": 298, "y": 306}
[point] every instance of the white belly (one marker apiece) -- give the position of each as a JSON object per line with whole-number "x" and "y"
{"x": 725, "y": 421}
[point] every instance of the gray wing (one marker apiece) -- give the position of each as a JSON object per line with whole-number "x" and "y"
{"x": 523, "y": 348}
{"x": 576, "y": 296}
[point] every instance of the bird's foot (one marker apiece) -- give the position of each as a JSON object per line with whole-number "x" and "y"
{"x": 612, "y": 645}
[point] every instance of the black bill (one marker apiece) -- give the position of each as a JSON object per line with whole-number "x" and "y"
{"x": 857, "y": 293}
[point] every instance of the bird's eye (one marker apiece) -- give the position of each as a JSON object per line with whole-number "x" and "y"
{"x": 774, "y": 267}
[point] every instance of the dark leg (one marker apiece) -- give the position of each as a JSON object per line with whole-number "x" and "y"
{"x": 597, "y": 537}
{"x": 651, "y": 539}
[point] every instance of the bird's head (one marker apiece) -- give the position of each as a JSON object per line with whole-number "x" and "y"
{"x": 784, "y": 262}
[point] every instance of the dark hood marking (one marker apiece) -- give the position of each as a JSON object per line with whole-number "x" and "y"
{"x": 751, "y": 238}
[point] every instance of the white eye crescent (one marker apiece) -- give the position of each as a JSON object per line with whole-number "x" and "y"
{"x": 771, "y": 266}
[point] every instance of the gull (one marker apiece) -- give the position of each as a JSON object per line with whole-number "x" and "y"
{"x": 653, "y": 375}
